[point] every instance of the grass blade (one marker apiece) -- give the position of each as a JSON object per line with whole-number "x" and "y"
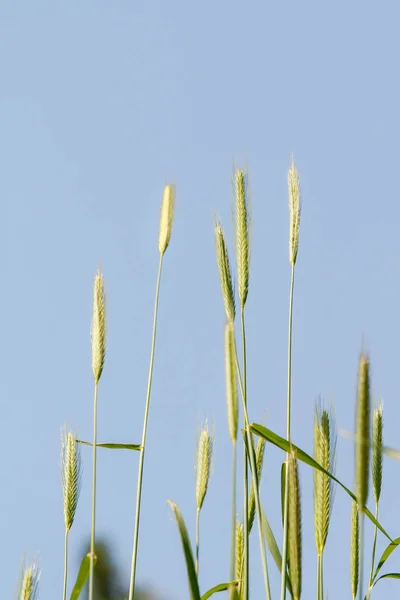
{"x": 222, "y": 587}
{"x": 274, "y": 549}
{"x": 187, "y": 550}
{"x": 388, "y": 551}
{"x": 112, "y": 446}
{"x": 284, "y": 445}
{"x": 83, "y": 575}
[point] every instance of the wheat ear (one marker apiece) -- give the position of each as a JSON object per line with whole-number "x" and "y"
{"x": 294, "y": 212}
{"x": 259, "y": 465}
{"x": 242, "y": 242}
{"x": 29, "y": 583}
{"x": 166, "y": 217}
{"x": 294, "y": 527}
{"x": 355, "y": 549}
{"x": 224, "y": 271}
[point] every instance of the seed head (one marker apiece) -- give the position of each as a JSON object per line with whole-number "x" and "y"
{"x": 294, "y": 212}
{"x": 377, "y": 451}
{"x": 71, "y": 472}
{"x": 242, "y": 242}
{"x": 98, "y": 326}
{"x": 28, "y": 588}
{"x": 362, "y": 432}
{"x": 203, "y": 465}
{"x": 224, "y": 272}
{"x": 231, "y": 381}
{"x": 294, "y": 528}
{"x": 354, "y": 549}
{"x": 166, "y": 217}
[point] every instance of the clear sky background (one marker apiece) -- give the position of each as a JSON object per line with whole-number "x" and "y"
{"x": 101, "y": 103}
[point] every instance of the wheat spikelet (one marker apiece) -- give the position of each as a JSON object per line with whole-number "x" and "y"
{"x": 259, "y": 464}
{"x": 203, "y": 465}
{"x": 166, "y": 217}
{"x": 377, "y": 451}
{"x": 294, "y": 212}
{"x": 71, "y": 471}
{"x": 362, "y": 432}
{"x": 242, "y": 243}
{"x": 294, "y": 527}
{"x": 28, "y": 588}
{"x": 98, "y": 326}
{"x": 239, "y": 551}
{"x": 354, "y": 549}
{"x": 231, "y": 382}
{"x": 324, "y": 454}
{"x": 224, "y": 272}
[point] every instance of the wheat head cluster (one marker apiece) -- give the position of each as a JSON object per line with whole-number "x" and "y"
{"x": 281, "y": 557}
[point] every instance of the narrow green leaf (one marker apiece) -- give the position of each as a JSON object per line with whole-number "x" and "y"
{"x": 187, "y": 550}
{"x": 283, "y": 444}
{"x": 387, "y": 552}
{"x": 83, "y": 575}
{"x": 222, "y": 587}
{"x": 274, "y": 549}
{"x": 113, "y": 446}
{"x": 388, "y": 576}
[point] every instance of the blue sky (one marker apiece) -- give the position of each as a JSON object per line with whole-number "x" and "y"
{"x": 101, "y": 103}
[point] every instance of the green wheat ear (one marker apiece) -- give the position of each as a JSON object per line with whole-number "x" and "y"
{"x": 259, "y": 465}
{"x": 324, "y": 453}
{"x": 294, "y": 527}
{"x": 355, "y": 549}
{"x": 29, "y": 583}
{"x": 377, "y": 451}
{"x": 166, "y": 217}
{"x": 231, "y": 382}
{"x": 362, "y": 431}
{"x": 239, "y": 551}
{"x": 98, "y": 326}
{"x": 294, "y": 212}
{"x": 71, "y": 475}
{"x": 224, "y": 271}
{"x": 203, "y": 465}
{"x": 242, "y": 242}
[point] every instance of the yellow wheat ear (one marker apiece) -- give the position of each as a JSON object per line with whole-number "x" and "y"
{"x": 28, "y": 588}
{"x": 71, "y": 471}
{"x": 294, "y": 212}
{"x": 98, "y": 326}
{"x": 224, "y": 271}
{"x": 242, "y": 238}
{"x": 203, "y": 465}
{"x": 166, "y": 217}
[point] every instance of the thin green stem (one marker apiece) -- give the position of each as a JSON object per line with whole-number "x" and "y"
{"x": 245, "y": 470}
{"x": 92, "y": 536}
{"x": 320, "y": 580}
{"x": 253, "y": 469}
{"x": 143, "y": 445}
{"x": 360, "y": 585}
{"x": 65, "y": 564}
{"x": 373, "y": 552}
{"x": 233, "y": 525}
{"x": 197, "y": 539}
{"x": 289, "y": 407}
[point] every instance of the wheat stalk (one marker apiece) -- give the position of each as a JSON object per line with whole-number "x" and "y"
{"x": 166, "y": 217}
{"x": 224, "y": 271}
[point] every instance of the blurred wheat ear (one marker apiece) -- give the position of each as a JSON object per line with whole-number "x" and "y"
{"x": 29, "y": 583}
{"x": 166, "y": 217}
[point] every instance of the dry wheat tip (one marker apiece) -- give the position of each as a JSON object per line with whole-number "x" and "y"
{"x": 71, "y": 475}
{"x": 242, "y": 242}
{"x": 166, "y": 217}
{"x": 377, "y": 451}
{"x": 362, "y": 431}
{"x": 231, "y": 382}
{"x": 224, "y": 271}
{"x": 203, "y": 464}
{"x": 294, "y": 212}
{"x": 29, "y": 583}
{"x": 98, "y": 326}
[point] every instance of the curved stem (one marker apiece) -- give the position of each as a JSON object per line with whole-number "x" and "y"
{"x": 142, "y": 449}
{"x": 197, "y": 540}
{"x": 373, "y": 552}
{"x": 92, "y": 536}
{"x": 253, "y": 469}
{"x": 65, "y": 564}
{"x": 233, "y": 525}
{"x": 245, "y": 470}
{"x": 289, "y": 392}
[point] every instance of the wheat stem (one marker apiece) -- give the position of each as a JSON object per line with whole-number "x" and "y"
{"x": 94, "y": 466}
{"x": 197, "y": 539}
{"x": 233, "y": 531}
{"x": 245, "y": 468}
{"x": 65, "y": 564}
{"x": 289, "y": 391}
{"x": 143, "y": 444}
